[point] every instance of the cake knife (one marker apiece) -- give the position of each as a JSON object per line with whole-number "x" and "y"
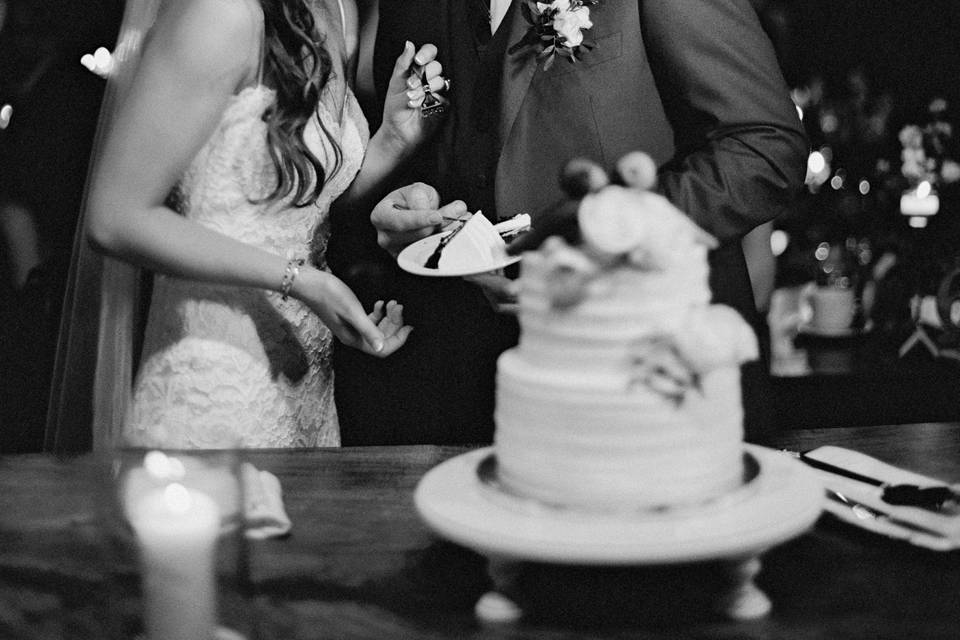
{"x": 866, "y": 512}
{"x": 931, "y": 497}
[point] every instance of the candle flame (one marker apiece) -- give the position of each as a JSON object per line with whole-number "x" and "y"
{"x": 177, "y": 498}
{"x": 99, "y": 62}
{"x": 160, "y": 466}
{"x": 157, "y": 464}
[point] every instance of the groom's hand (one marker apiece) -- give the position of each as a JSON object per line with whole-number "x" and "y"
{"x": 410, "y": 213}
{"x": 500, "y": 291}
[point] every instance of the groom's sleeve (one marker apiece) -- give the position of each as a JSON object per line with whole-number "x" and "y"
{"x": 740, "y": 148}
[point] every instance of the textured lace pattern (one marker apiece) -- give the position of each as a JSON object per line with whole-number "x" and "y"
{"x": 231, "y": 366}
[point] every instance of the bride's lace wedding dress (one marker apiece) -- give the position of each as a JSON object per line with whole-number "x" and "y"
{"x": 228, "y": 366}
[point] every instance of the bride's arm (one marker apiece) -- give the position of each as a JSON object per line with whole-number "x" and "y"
{"x": 197, "y": 56}
{"x": 403, "y": 128}
{"x": 200, "y": 52}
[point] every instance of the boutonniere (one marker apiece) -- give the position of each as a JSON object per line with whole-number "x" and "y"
{"x": 556, "y": 29}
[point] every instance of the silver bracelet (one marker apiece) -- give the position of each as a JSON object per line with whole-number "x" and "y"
{"x": 290, "y": 274}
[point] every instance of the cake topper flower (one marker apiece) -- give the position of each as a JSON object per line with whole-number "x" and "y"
{"x": 556, "y": 29}
{"x": 568, "y": 273}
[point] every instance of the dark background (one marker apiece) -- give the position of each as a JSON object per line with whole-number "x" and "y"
{"x": 910, "y": 49}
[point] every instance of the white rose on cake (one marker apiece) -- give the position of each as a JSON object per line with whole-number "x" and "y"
{"x": 641, "y": 224}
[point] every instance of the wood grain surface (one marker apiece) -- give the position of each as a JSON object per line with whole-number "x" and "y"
{"x": 359, "y": 563}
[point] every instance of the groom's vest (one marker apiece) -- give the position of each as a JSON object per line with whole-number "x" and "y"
{"x": 468, "y": 163}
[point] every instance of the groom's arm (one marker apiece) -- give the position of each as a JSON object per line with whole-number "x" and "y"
{"x": 740, "y": 148}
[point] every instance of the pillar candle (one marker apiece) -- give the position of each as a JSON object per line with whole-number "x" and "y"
{"x": 176, "y": 530}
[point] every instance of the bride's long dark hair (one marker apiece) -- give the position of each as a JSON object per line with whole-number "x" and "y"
{"x": 298, "y": 66}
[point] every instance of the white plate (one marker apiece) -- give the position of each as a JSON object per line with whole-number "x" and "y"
{"x": 782, "y": 500}
{"x": 413, "y": 257}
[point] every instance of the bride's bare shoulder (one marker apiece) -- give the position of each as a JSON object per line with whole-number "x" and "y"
{"x": 211, "y": 36}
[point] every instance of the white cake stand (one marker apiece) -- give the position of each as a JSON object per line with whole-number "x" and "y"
{"x": 461, "y": 501}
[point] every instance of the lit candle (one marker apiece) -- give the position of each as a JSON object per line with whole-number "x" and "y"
{"x": 922, "y": 201}
{"x": 177, "y": 532}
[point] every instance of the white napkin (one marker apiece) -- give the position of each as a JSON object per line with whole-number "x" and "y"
{"x": 263, "y": 502}
{"x": 943, "y": 527}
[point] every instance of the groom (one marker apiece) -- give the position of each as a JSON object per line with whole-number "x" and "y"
{"x": 694, "y": 83}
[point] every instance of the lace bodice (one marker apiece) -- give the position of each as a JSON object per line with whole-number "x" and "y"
{"x": 231, "y": 366}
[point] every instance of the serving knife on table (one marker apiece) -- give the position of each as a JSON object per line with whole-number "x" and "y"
{"x": 865, "y": 512}
{"x": 928, "y": 497}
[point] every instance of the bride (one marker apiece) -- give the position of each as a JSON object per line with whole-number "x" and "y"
{"x": 237, "y": 131}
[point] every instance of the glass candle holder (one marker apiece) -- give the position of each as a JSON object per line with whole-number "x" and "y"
{"x": 175, "y": 528}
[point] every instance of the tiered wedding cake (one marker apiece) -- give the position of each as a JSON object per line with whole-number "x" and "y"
{"x": 624, "y": 391}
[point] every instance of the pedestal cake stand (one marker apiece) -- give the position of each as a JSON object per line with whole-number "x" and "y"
{"x": 461, "y": 500}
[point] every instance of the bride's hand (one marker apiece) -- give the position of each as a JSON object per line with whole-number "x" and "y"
{"x": 380, "y": 333}
{"x": 402, "y": 119}
{"x": 389, "y": 319}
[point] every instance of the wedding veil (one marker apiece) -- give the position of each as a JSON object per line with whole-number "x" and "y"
{"x": 93, "y": 368}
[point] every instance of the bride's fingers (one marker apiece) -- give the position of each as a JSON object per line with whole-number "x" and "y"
{"x": 377, "y": 314}
{"x": 395, "y": 313}
{"x": 366, "y": 333}
{"x": 405, "y": 60}
{"x": 415, "y": 97}
{"x": 438, "y": 83}
{"x": 431, "y": 72}
{"x": 425, "y": 54}
{"x": 391, "y": 319}
{"x": 396, "y": 340}
{"x": 390, "y": 324}
{"x": 433, "y": 78}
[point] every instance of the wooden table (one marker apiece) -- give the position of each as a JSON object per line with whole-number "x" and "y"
{"x": 359, "y": 564}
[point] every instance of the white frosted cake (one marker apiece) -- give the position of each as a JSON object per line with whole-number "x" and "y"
{"x": 624, "y": 390}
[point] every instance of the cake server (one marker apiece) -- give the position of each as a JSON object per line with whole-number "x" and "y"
{"x": 866, "y": 512}
{"x": 433, "y": 261}
{"x": 928, "y": 497}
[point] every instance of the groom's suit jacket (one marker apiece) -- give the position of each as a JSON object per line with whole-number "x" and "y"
{"x": 695, "y": 83}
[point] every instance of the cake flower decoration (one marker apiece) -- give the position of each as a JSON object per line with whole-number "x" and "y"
{"x": 660, "y": 239}
{"x": 569, "y": 273}
{"x": 556, "y": 29}
{"x": 660, "y": 366}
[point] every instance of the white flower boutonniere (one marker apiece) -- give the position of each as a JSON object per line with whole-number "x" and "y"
{"x": 556, "y": 29}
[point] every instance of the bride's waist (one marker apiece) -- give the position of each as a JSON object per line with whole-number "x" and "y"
{"x": 220, "y": 311}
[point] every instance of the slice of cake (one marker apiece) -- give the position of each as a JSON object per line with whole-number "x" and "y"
{"x": 624, "y": 390}
{"x": 480, "y": 244}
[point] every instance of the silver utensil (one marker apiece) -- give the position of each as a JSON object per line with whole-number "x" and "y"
{"x": 932, "y": 497}
{"x": 865, "y": 512}
{"x": 433, "y": 262}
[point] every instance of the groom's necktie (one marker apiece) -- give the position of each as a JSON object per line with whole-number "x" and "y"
{"x": 489, "y": 15}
